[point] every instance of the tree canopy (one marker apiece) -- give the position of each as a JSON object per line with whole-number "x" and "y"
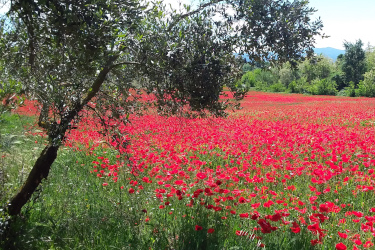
{"x": 354, "y": 62}
{"x": 64, "y": 53}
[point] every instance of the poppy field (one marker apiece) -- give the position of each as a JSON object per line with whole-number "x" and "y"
{"x": 284, "y": 172}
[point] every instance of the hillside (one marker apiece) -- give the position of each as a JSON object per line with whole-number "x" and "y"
{"x": 329, "y": 52}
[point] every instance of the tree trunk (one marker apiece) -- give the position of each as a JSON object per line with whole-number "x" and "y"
{"x": 38, "y": 173}
{"x": 49, "y": 154}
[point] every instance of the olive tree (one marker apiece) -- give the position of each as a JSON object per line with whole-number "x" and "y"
{"x": 67, "y": 53}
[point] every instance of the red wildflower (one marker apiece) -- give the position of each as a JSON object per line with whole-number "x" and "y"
{"x": 342, "y": 235}
{"x": 313, "y": 199}
{"x": 244, "y": 215}
{"x": 255, "y": 205}
{"x": 358, "y": 214}
{"x": 295, "y": 229}
{"x": 268, "y": 203}
{"x": 201, "y": 176}
{"x": 368, "y": 244}
{"x": 358, "y": 242}
{"x": 340, "y": 246}
{"x": 198, "y": 228}
{"x": 275, "y": 217}
{"x": 315, "y": 242}
{"x": 242, "y": 200}
{"x": 179, "y": 182}
{"x": 313, "y": 227}
{"x": 265, "y": 226}
{"x": 323, "y": 208}
{"x": 254, "y": 216}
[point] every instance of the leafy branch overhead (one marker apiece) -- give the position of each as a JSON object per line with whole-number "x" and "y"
{"x": 64, "y": 45}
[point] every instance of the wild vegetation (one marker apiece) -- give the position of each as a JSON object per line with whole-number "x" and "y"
{"x": 287, "y": 171}
{"x": 352, "y": 74}
{"x": 118, "y": 130}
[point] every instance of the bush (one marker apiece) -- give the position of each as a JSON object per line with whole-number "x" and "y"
{"x": 367, "y": 86}
{"x": 299, "y": 86}
{"x": 277, "y": 87}
{"x": 261, "y": 86}
{"x": 286, "y": 74}
{"x": 249, "y": 78}
{"x": 350, "y": 90}
{"x": 292, "y": 87}
{"x": 267, "y": 77}
{"x": 323, "y": 87}
{"x": 339, "y": 78}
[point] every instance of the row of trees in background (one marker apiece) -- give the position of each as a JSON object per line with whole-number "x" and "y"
{"x": 352, "y": 74}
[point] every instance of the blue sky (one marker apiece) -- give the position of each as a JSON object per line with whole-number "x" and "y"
{"x": 348, "y": 20}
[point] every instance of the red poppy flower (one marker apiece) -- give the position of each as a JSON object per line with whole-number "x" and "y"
{"x": 368, "y": 244}
{"x": 315, "y": 242}
{"x": 198, "y": 228}
{"x": 275, "y": 217}
{"x": 340, "y": 246}
{"x": 244, "y": 215}
{"x": 255, "y": 216}
{"x": 342, "y": 235}
{"x": 201, "y": 176}
{"x": 265, "y": 226}
{"x": 295, "y": 229}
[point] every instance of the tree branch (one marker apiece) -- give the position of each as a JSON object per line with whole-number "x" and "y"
{"x": 124, "y": 63}
{"x": 99, "y": 81}
{"x": 183, "y": 16}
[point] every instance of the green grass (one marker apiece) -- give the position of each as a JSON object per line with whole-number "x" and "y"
{"x": 18, "y": 149}
{"x": 73, "y": 210}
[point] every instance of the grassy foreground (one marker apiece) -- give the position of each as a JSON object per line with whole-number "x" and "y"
{"x": 286, "y": 172}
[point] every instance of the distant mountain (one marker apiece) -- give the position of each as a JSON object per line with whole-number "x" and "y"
{"x": 329, "y": 52}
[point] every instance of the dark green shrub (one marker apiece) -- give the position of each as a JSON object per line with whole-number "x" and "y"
{"x": 249, "y": 78}
{"x": 350, "y": 90}
{"x": 367, "y": 86}
{"x": 277, "y": 87}
{"x": 323, "y": 87}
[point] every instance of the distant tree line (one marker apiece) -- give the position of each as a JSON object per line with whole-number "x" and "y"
{"x": 352, "y": 74}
